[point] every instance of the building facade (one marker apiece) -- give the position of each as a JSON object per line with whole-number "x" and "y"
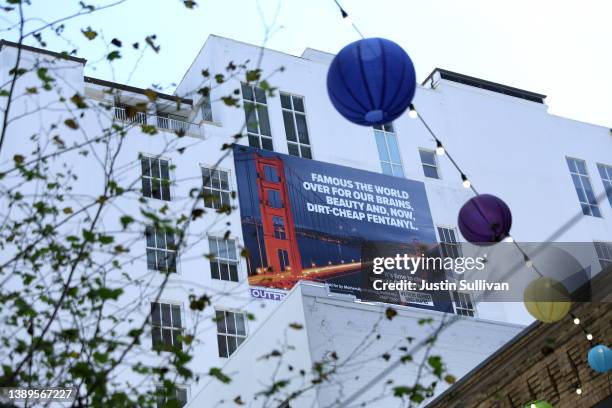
{"x": 550, "y": 170}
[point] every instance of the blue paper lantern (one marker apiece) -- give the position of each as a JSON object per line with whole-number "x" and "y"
{"x": 371, "y": 81}
{"x": 600, "y": 358}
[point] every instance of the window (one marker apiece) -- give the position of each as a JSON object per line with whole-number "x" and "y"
{"x": 256, "y": 115}
{"x": 163, "y": 400}
{"x": 464, "y": 305}
{"x": 388, "y": 151}
{"x": 604, "y": 253}
{"x": 155, "y": 178}
{"x": 216, "y": 188}
{"x": 161, "y": 250}
{"x": 606, "y": 178}
{"x": 166, "y": 326}
{"x": 449, "y": 247}
{"x": 224, "y": 264}
{"x": 279, "y": 227}
{"x": 296, "y": 130}
{"x": 231, "y": 331}
{"x": 274, "y": 198}
{"x": 206, "y": 109}
{"x": 270, "y": 174}
{"x": 580, "y": 177}
{"x": 283, "y": 258}
{"x": 430, "y": 163}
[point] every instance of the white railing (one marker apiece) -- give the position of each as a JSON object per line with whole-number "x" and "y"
{"x": 139, "y": 117}
{"x": 161, "y": 122}
{"x": 177, "y": 125}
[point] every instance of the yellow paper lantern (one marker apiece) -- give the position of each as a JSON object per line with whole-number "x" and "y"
{"x": 547, "y": 300}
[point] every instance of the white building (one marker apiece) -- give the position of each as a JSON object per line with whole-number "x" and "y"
{"x": 504, "y": 139}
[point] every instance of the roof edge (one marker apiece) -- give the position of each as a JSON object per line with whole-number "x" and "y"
{"x": 60, "y": 55}
{"x": 485, "y": 84}
{"x": 129, "y": 88}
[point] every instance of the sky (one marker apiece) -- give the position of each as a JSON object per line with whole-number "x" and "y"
{"x": 561, "y": 48}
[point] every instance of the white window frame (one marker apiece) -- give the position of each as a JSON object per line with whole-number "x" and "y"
{"x": 607, "y": 182}
{"x": 455, "y": 233}
{"x": 457, "y": 303}
{"x": 435, "y": 166}
{"x": 224, "y": 260}
{"x": 386, "y": 134}
{"x": 605, "y": 262}
{"x": 293, "y": 113}
{"x": 165, "y": 250}
{"x": 226, "y": 334}
{"x": 177, "y": 386}
{"x": 230, "y": 187}
{"x": 259, "y": 135}
{"x": 181, "y": 330}
{"x": 586, "y": 203}
{"x": 171, "y": 180}
{"x": 200, "y": 105}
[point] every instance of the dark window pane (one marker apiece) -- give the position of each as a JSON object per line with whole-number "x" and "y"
{"x": 581, "y": 167}
{"x": 181, "y": 396}
{"x": 430, "y": 172}
{"x": 254, "y": 141}
{"x": 231, "y": 345}
{"x": 150, "y": 235}
{"x": 222, "y": 346}
{"x": 247, "y": 92}
{"x": 267, "y": 143}
{"x": 151, "y": 262}
{"x": 165, "y": 173}
{"x": 170, "y": 240}
{"x": 144, "y": 164}
{"x": 220, "y": 319}
{"x": 289, "y": 126}
{"x": 229, "y": 320}
{"x": 298, "y": 104}
{"x": 156, "y": 188}
{"x": 155, "y": 172}
{"x": 240, "y": 326}
{"x": 165, "y": 314}
{"x": 165, "y": 191}
{"x": 155, "y": 314}
{"x": 156, "y": 336}
{"x": 225, "y": 198}
{"x": 260, "y": 95}
{"x": 224, "y": 177}
{"x": 427, "y": 157}
{"x": 206, "y": 177}
{"x": 214, "y": 270}
{"x": 167, "y": 337}
{"x": 146, "y": 187}
{"x": 250, "y": 117}
{"x": 264, "y": 121}
{"x": 285, "y": 101}
{"x": 293, "y": 149}
{"x": 160, "y": 238}
{"x": 572, "y": 165}
{"x": 300, "y": 121}
{"x": 175, "y": 340}
{"x": 306, "y": 153}
{"x": 233, "y": 270}
{"x": 224, "y": 270}
{"x": 240, "y": 340}
{"x": 176, "y": 316}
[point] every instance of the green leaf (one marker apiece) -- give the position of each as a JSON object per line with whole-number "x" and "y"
{"x": 390, "y": 313}
{"x": 218, "y": 374}
{"x": 113, "y": 55}
{"x": 71, "y": 123}
{"x": 89, "y": 33}
{"x": 296, "y": 326}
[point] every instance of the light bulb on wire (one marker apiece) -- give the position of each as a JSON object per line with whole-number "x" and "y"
{"x": 589, "y": 337}
{"x": 579, "y": 391}
{"x": 466, "y": 183}
{"x": 439, "y": 148}
{"x": 412, "y": 113}
{"x": 576, "y": 320}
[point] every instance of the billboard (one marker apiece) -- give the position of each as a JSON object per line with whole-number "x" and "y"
{"x": 305, "y": 219}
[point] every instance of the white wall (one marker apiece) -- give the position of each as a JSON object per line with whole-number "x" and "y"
{"x": 508, "y": 147}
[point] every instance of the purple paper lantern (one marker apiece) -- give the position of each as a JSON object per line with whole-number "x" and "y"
{"x": 485, "y": 220}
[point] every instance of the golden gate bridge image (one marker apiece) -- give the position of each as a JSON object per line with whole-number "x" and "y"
{"x": 286, "y": 242}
